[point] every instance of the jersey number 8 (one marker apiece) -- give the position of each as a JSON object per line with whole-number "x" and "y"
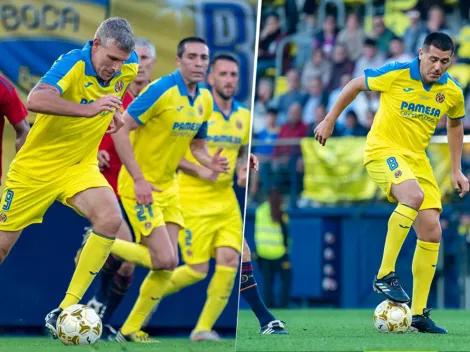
{"x": 392, "y": 163}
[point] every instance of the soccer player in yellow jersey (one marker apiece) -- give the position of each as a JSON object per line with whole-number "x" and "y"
{"x": 168, "y": 117}
{"x": 76, "y": 101}
{"x": 415, "y": 96}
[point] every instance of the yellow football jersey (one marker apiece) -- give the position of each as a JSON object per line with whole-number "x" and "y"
{"x": 409, "y": 109}
{"x": 57, "y": 142}
{"x": 169, "y": 119}
{"x": 228, "y": 132}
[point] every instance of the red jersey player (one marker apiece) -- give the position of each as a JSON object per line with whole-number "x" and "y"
{"x": 116, "y": 275}
{"x": 13, "y": 109}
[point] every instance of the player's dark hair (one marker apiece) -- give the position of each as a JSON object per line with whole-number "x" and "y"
{"x": 440, "y": 41}
{"x": 227, "y": 57}
{"x": 182, "y": 43}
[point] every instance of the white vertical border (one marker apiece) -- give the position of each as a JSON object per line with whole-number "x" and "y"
{"x": 253, "y": 92}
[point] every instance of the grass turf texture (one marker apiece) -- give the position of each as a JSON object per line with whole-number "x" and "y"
{"x": 349, "y": 330}
{"x": 43, "y": 344}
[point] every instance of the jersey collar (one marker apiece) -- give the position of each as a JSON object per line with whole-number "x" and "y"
{"x": 182, "y": 87}
{"x": 89, "y": 69}
{"x": 235, "y": 106}
{"x": 414, "y": 73}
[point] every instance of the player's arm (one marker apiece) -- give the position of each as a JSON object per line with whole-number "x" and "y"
{"x": 197, "y": 170}
{"x": 324, "y": 130}
{"x": 22, "y": 130}
{"x": 216, "y": 162}
{"x": 15, "y": 112}
{"x": 455, "y": 134}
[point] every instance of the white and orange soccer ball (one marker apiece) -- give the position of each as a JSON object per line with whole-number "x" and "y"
{"x": 392, "y": 317}
{"x": 79, "y": 325}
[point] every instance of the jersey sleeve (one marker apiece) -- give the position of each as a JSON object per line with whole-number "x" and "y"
{"x": 246, "y": 137}
{"x": 151, "y": 102}
{"x": 61, "y": 74}
{"x": 380, "y": 79}
{"x": 12, "y": 106}
{"x": 202, "y": 133}
{"x": 457, "y": 110}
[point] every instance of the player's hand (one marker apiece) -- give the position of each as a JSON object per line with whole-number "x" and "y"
{"x": 242, "y": 174}
{"x": 254, "y": 163}
{"x": 460, "y": 182}
{"x": 116, "y": 123}
{"x": 324, "y": 130}
{"x": 103, "y": 159}
{"x": 207, "y": 174}
{"x": 219, "y": 162}
{"x": 143, "y": 191}
{"x": 110, "y": 103}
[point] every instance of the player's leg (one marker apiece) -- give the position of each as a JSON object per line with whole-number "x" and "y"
{"x": 100, "y": 206}
{"x": 429, "y": 233}
{"x": 249, "y": 290}
{"x": 164, "y": 261}
{"x": 218, "y": 293}
{"x": 7, "y": 241}
{"x": 394, "y": 176}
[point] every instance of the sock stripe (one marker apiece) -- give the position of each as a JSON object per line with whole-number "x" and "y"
{"x": 402, "y": 215}
{"x": 246, "y": 288}
{"x": 429, "y": 250}
{"x": 101, "y": 235}
{"x": 406, "y": 205}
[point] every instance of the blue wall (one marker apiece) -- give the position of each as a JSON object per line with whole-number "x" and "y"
{"x": 359, "y": 239}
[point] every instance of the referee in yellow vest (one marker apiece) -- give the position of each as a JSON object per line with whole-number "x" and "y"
{"x": 271, "y": 239}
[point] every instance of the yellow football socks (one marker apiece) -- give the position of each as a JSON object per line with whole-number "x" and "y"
{"x": 399, "y": 225}
{"x": 132, "y": 252}
{"x": 182, "y": 277}
{"x": 92, "y": 258}
{"x": 218, "y": 293}
{"x": 424, "y": 267}
{"x": 151, "y": 292}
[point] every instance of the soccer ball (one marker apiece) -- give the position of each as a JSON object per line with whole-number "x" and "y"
{"x": 392, "y": 317}
{"x": 79, "y": 325}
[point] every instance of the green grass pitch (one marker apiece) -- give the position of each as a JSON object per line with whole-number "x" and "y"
{"x": 43, "y": 344}
{"x": 349, "y": 330}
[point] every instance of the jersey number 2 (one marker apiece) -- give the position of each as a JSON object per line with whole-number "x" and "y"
{"x": 141, "y": 211}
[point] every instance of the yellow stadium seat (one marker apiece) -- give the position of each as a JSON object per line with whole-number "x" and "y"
{"x": 397, "y": 22}
{"x": 461, "y": 72}
{"x": 271, "y": 72}
{"x": 451, "y": 2}
{"x": 399, "y": 5}
{"x": 280, "y": 85}
{"x": 354, "y": 2}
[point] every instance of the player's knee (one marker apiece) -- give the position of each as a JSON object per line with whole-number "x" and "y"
{"x": 3, "y": 255}
{"x": 107, "y": 223}
{"x": 126, "y": 269}
{"x": 431, "y": 232}
{"x": 164, "y": 261}
{"x": 415, "y": 198}
{"x": 202, "y": 268}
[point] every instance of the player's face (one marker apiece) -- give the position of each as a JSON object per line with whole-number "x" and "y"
{"x": 433, "y": 63}
{"x": 146, "y": 63}
{"x": 194, "y": 62}
{"x": 108, "y": 59}
{"x": 224, "y": 78}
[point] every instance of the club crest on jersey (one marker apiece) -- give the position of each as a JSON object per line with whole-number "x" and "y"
{"x": 118, "y": 86}
{"x": 3, "y": 217}
{"x": 239, "y": 124}
{"x": 148, "y": 225}
{"x": 440, "y": 97}
{"x": 398, "y": 174}
{"x": 200, "y": 110}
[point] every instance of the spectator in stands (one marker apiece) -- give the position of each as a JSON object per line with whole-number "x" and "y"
{"x": 320, "y": 113}
{"x": 341, "y": 66}
{"x": 435, "y": 23}
{"x": 264, "y": 94}
{"x": 352, "y": 127}
{"x": 397, "y": 51}
{"x": 381, "y": 34}
{"x": 413, "y": 32}
{"x": 371, "y": 58}
{"x": 293, "y": 95}
{"x": 286, "y": 157}
{"x": 463, "y": 42}
{"x": 441, "y": 127}
{"x": 352, "y": 37}
{"x": 270, "y": 36}
{"x": 345, "y": 78}
{"x": 317, "y": 96}
{"x": 317, "y": 67}
{"x": 326, "y": 38}
{"x": 264, "y": 153}
{"x": 369, "y": 119}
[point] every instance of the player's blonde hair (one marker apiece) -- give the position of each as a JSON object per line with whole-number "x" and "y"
{"x": 119, "y": 30}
